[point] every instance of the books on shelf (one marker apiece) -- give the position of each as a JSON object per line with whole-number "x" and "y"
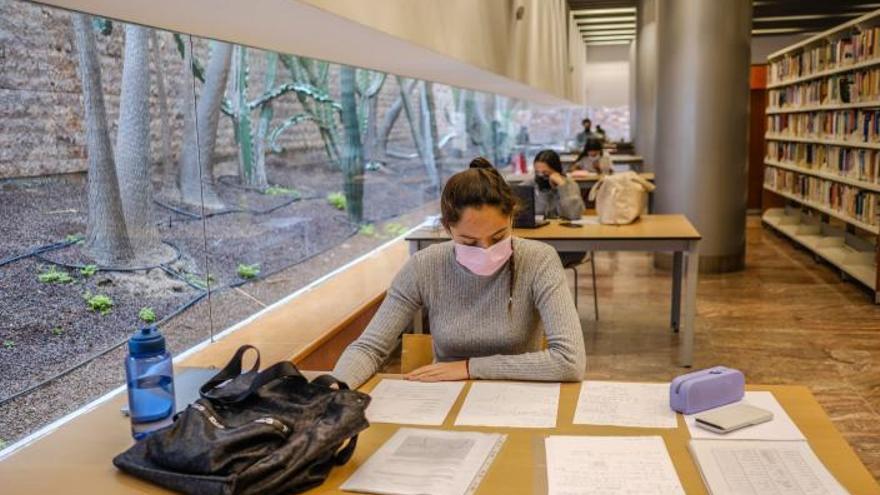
{"x": 857, "y": 126}
{"x": 851, "y": 163}
{"x": 851, "y": 87}
{"x": 857, "y": 46}
{"x": 851, "y": 202}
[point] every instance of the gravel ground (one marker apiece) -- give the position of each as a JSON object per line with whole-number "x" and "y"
{"x": 293, "y": 245}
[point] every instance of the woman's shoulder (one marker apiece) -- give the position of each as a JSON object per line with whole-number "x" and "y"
{"x": 432, "y": 255}
{"x": 532, "y": 251}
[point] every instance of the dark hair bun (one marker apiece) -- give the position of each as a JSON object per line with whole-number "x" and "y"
{"x": 481, "y": 162}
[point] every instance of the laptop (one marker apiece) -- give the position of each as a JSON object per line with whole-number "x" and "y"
{"x": 526, "y": 218}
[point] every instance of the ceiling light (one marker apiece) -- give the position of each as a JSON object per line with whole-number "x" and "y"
{"x": 599, "y": 43}
{"x": 606, "y": 20}
{"x": 602, "y": 27}
{"x": 606, "y": 38}
{"x": 612, "y": 31}
{"x": 781, "y": 30}
{"x": 623, "y": 10}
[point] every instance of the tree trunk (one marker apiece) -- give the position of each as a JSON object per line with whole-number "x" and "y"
{"x": 196, "y": 173}
{"x": 429, "y": 113}
{"x": 425, "y": 152}
{"x": 106, "y": 236}
{"x": 133, "y": 145}
{"x": 391, "y": 116}
{"x": 352, "y": 153}
{"x": 164, "y": 116}
{"x": 259, "y": 179}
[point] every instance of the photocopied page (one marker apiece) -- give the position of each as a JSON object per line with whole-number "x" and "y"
{"x": 643, "y": 405}
{"x": 585, "y": 465}
{"x": 781, "y": 427}
{"x": 427, "y": 462}
{"x": 513, "y": 404}
{"x": 412, "y": 403}
{"x": 744, "y": 467}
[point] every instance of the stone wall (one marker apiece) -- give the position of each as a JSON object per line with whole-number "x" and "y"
{"x": 41, "y": 126}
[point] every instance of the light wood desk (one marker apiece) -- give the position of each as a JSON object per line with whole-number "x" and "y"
{"x": 635, "y": 162}
{"x": 654, "y": 233}
{"x": 75, "y": 459}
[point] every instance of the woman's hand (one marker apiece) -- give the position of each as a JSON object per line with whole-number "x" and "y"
{"x": 557, "y": 179}
{"x": 440, "y": 372}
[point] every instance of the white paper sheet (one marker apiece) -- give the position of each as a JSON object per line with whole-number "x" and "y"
{"x": 514, "y": 404}
{"x": 643, "y": 405}
{"x": 610, "y": 465}
{"x": 781, "y": 427}
{"x": 412, "y": 403}
{"x": 426, "y": 462}
{"x": 586, "y": 220}
{"x": 744, "y": 467}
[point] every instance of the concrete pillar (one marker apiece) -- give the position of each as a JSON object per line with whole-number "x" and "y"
{"x": 646, "y": 81}
{"x": 701, "y": 149}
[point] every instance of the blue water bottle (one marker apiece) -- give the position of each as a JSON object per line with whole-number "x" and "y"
{"x": 150, "y": 377}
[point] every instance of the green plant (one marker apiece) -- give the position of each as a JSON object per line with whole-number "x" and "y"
{"x": 281, "y": 191}
{"x": 8, "y": 344}
{"x": 3, "y": 444}
{"x": 88, "y": 270}
{"x": 200, "y": 282}
{"x": 54, "y": 276}
{"x": 337, "y": 199}
{"x": 75, "y": 238}
{"x": 368, "y": 230}
{"x": 57, "y": 331}
{"x": 99, "y": 303}
{"x": 147, "y": 315}
{"x": 248, "y": 271}
{"x": 395, "y": 229}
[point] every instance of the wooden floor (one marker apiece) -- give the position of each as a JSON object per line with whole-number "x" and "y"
{"x": 784, "y": 320}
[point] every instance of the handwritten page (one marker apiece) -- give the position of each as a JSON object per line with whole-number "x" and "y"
{"x": 412, "y": 403}
{"x": 585, "y": 465}
{"x": 427, "y": 462}
{"x": 643, "y": 405}
{"x": 781, "y": 427}
{"x": 743, "y": 467}
{"x": 514, "y": 404}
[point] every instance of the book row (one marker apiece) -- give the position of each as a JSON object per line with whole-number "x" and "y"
{"x": 850, "y": 202}
{"x": 857, "y": 126}
{"x": 859, "y": 46}
{"x": 857, "y": 86}
{"x": 851, "y": 163}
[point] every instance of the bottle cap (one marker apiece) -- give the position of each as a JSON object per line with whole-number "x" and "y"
{"x": 146, "y": 342}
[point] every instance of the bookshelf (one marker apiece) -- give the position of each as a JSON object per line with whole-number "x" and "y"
{"x": 823, "y": 147}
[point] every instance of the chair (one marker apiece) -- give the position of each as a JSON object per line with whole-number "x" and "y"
{"x": 570, "y": 261}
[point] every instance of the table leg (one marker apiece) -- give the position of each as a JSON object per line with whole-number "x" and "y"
{"x": 686, "y": 339}
{"x": 675, "y": 312}
{"x": 419, "y": 316}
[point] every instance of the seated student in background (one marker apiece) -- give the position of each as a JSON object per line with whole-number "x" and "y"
{"x": 591, "y": 160}
{"x": 485, "y": 293}
{"x": 556, "y": 196}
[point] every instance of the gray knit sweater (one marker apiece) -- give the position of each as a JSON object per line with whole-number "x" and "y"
{"x": 469, "y": 318}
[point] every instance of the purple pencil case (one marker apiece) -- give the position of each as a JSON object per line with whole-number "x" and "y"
{"x": 706, "y": 389}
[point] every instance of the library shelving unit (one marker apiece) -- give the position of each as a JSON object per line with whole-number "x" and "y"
{"x": 823, "y": 147}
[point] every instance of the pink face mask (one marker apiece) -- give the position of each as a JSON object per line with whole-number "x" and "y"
{"x": 484, "y": 262}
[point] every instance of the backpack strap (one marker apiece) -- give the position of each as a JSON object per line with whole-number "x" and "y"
{"x": 238, "y": 386}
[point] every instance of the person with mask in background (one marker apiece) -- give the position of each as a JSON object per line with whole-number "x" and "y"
{"x": 591, "y": 160}
{"x": 491, "y": 298}
{"x": 556, "y": 195}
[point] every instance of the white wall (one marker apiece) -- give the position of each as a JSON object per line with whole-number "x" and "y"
{"x": 607, "y": 76}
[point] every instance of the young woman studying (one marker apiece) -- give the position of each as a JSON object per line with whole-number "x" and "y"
{"x": 556, "y": 195}
{"x": 486, "y": 295}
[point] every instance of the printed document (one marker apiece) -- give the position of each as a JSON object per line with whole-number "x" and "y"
{"x": 643, "y": 405}
{"x": 427, "y": 462}
{"x": 744, "y": 467}
{"x": 583, "y": 465}
{"x": 513, "y": 404}
{"x": 412, "y": 403}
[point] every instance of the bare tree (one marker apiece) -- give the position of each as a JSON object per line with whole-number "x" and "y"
{"x": 106, "y": 236}
{"x": 421, "y": 132}
{"x": 196, "y": 171}
{"x": 133, "y": 144}
{"x": 164, "y": 116}
{"x": 391, "y": 116}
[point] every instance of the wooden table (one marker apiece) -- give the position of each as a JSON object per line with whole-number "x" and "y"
{"x": 654, "y": 233}
{"x": 75, "y": 459}
{"x": 635, "y": 162}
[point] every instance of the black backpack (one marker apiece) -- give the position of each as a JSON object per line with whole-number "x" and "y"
{"x": 259, "y": 432}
